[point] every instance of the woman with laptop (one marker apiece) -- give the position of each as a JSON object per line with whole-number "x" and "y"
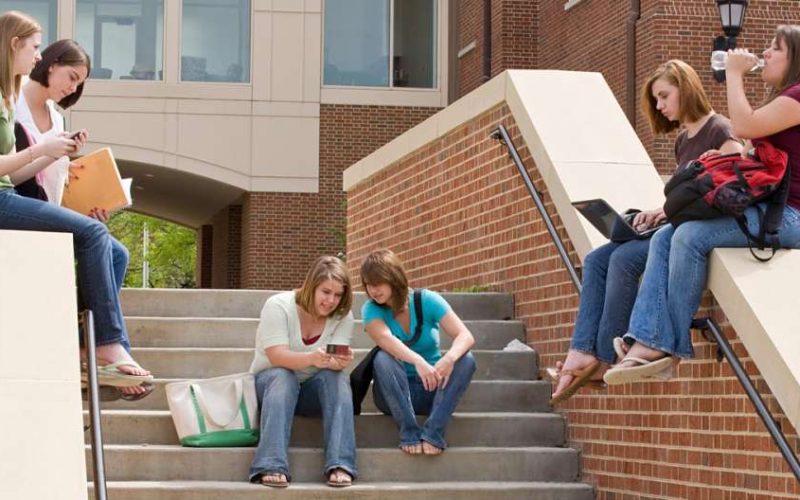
{"x": 677, "y": 268}
{"x": 672, "y": 98}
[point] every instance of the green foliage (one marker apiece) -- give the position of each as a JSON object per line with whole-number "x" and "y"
{"x": 172, "y": 251}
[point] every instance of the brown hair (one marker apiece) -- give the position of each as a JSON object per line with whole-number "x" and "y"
{"x": 325, "y": 268}
{"x": 694, "y": 103}
{"x": 383, "y": 266}
{"x": 789, "y": 36}
{"x": 62, "y": 53}
{"x": 13, "y": 25}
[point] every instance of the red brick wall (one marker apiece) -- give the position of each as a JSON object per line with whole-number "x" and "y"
{"x": 282, "y": 233}
{"x": 514, "y": 28}
{"x": 458, "y": 215}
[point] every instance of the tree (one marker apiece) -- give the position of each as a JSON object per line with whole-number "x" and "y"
{"x": 172, "y": 252}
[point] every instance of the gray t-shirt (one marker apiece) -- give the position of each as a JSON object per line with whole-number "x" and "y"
{"x": 712, "y": 135}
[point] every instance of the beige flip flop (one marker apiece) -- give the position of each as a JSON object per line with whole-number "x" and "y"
{"x": 660, "y": 368}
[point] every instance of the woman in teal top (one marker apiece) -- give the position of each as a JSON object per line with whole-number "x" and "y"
{"x": 417, "y": 378}
{"x": 20, "y": 38}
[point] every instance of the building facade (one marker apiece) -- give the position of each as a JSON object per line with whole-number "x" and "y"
{"x": 237, "y": 117}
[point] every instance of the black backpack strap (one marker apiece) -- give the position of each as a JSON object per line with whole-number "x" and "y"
{"x": 417, "y": 299}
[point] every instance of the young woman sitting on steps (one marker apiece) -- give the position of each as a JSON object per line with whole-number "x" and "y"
{"x": 296, "y": 376}
{"x": 672, "y": 98}
{"x": 677, "y": 268}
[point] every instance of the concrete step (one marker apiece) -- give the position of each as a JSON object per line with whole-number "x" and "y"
{"x": 240, "y": 332}
{"x": 174, "y": 463}
{"x": 481, "y": 395}
{"x": 248, "y": 303}
{"x": 361, "y": 490}
{"x": 373, "y": 430}
{"x": 214, "y": 362}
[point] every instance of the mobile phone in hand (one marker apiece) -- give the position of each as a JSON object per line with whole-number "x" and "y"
{"x": 341, "y": 350}
{"x": 74, "y": 135}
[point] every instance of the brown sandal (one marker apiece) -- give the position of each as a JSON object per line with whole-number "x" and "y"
{"x": 339, "y": 478}
{"x": 580, "y": 378}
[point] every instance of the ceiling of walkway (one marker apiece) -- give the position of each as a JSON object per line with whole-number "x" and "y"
{"x": 181, "y": 197}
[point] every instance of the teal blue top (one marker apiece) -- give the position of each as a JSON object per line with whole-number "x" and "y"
{"x": 434, "y": 308}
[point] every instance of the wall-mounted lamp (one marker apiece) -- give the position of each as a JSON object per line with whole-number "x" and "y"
{"x": 731, "y": 16}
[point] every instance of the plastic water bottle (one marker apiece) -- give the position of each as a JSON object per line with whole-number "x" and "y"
{"x": 720, "y": 57}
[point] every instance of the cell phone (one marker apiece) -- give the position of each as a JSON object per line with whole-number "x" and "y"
{"x": 74, "y": 135}
{"x": 339, "y": 349}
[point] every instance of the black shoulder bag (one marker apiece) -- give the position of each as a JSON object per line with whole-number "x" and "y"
{"x": 361, "y": 376}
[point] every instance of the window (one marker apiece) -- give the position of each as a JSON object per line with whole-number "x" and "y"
{"x": 123, "y": 37}
{"x": 215, "y": 41}
{"x": 44, "y": 11}
{"x": 360, "y": 35}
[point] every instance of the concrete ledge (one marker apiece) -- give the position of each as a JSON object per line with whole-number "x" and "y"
{"x": 41, "y": 414}
{"x": 762, "y": 303}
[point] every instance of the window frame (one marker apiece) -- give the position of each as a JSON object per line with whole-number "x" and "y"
{"x": 391, "y": 95}
{"x": 179, "y": 30}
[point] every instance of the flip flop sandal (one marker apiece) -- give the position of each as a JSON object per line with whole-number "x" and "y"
{"x": 111, "y": 374}
{"x": 619, "y": 348}
{"x": 592, "y": 385}
{"x": 340, "y": 474}
{"x": 148, "y": 389}
{"x": 658, "y": 368}
{"x": 107, "y": 393}
{"x": 579, "y": 379}
{"x": 274, "y": 483}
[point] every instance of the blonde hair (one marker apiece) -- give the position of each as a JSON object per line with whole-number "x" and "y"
{"x": 19, "y": 26}
{"x": 325, "y": 268}
{"x": 383, "y": 266}
{"x": 694, "y": 103}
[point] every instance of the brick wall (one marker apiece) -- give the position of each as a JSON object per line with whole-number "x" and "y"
{"x": 282, "y": 233}
{"x": 458, "y": 215}
{"x": 514, "y": 30}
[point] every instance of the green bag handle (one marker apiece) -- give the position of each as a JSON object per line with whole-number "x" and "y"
{"x": 203, "y": 411}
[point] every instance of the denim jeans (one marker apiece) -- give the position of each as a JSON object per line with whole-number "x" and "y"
{"x": 404, "y": 397}
{"x": 610, "y": 281}
{"x": 675, "y": 277}
{"x": 92, "y": 243}
{"x": 280, "y": 396}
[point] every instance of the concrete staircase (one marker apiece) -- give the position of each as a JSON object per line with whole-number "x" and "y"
{"x": 505, "y": 443}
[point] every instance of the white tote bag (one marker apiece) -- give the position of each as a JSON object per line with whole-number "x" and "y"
{"x": 215, "y": 412}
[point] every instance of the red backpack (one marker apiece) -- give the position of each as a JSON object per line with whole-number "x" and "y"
{"x": 725, "y": 185}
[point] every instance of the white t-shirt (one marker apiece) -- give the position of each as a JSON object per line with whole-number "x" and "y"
{"x": 54, "y": 177}
{"x": 280, "y": 325}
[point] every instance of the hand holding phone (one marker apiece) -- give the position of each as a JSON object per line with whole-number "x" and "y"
{"x": 338, "y": 349}
{"x": 74, "y": 135}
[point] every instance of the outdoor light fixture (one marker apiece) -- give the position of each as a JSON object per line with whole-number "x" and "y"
{"x": 731, "y": 16}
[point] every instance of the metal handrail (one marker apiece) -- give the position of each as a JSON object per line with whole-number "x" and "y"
{"x": 98, "y": 460}
{"x": 705, "y": 325}
{"x": 501, "y": 134}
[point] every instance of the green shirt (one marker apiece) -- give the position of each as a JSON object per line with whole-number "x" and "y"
{"x": 6, "y": 140}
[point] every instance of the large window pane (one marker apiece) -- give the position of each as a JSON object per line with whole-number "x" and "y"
{"x": 357, "y": 42}
{"x": 44, "y": 11}
{"x": 123, "y": 37}
{"x": 414, "y": 43}
{"x": 215, "y": 41}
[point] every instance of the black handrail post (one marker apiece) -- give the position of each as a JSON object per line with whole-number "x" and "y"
{"x": 501, "y": 134}
{"x": 98, "y": 460}
{"x": 725, "y": 349}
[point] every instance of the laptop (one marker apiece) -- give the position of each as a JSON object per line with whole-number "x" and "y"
{"x": 611, "y": 224}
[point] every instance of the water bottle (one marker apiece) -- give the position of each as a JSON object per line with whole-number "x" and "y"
{"x": 720, "y": 57}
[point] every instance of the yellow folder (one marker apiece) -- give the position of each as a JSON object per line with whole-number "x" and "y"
{"x": 98, "y": 185}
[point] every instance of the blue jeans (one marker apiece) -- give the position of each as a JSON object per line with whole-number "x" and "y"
{"x": 92, "y": 243}
{"x": 280, "y": 396}
{"x": 404, "y": 397}
{"x": 610, "y": 282}
{"x": 676, "y": 272}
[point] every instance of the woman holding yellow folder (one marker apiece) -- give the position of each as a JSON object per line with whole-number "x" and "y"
{"x": 20, "y": 38}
